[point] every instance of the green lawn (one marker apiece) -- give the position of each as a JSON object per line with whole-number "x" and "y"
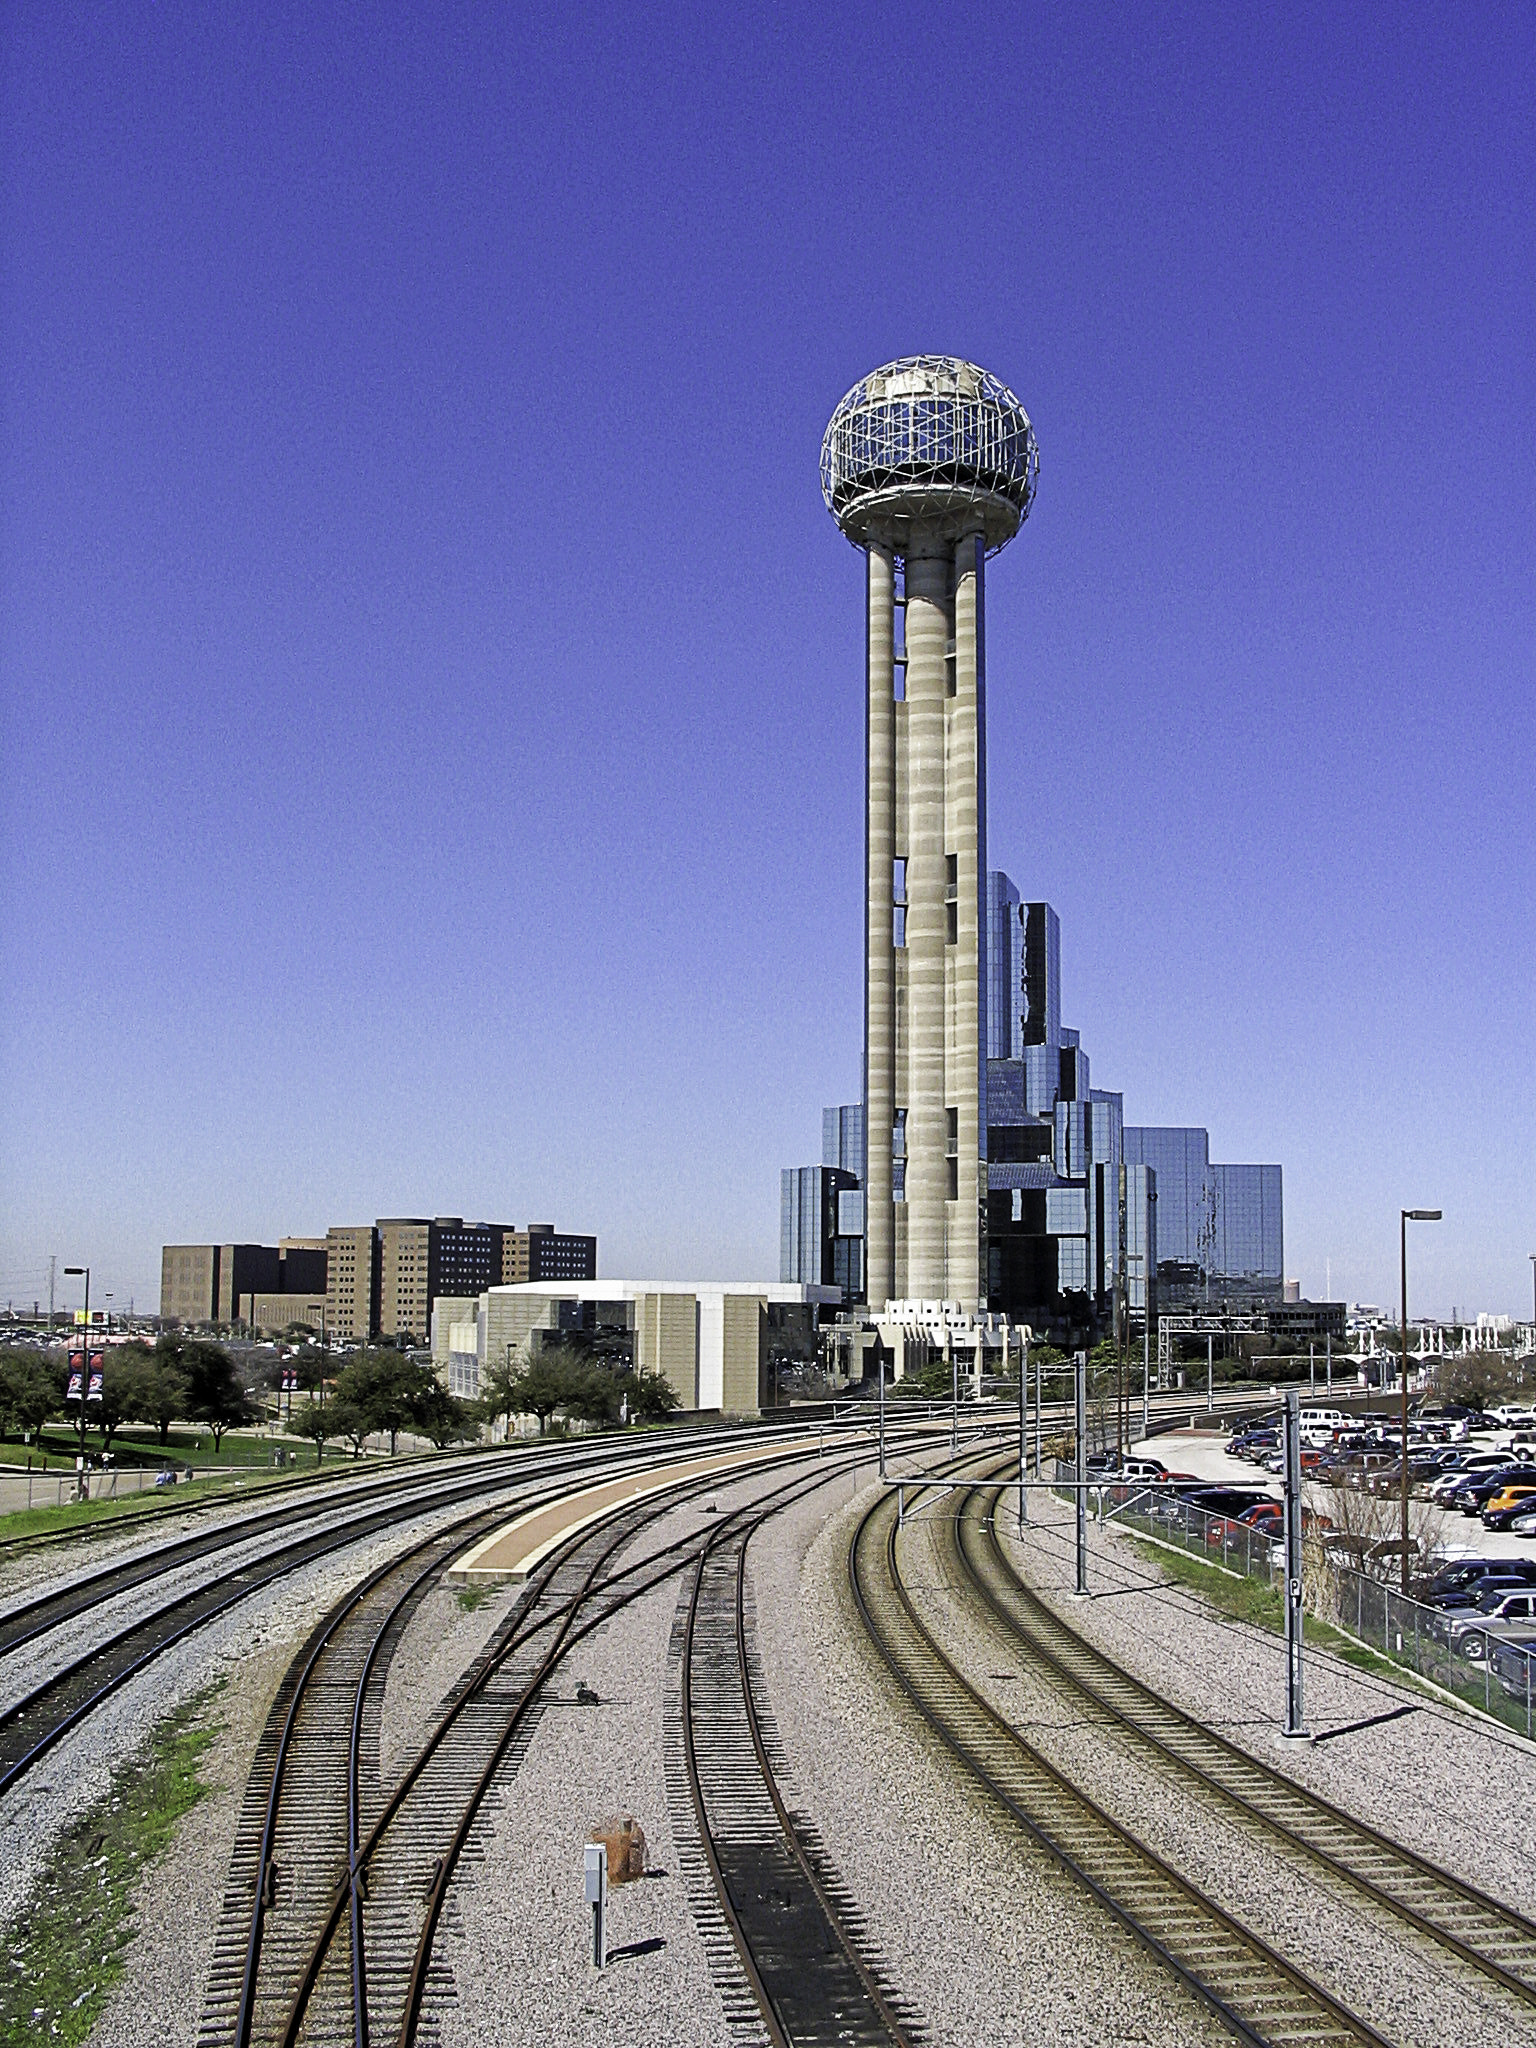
{"x": 1251, "y": 1600}
{"x": 72, "y": 1938}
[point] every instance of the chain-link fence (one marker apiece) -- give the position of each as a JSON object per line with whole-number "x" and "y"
{"x": 1482, "y": 1661}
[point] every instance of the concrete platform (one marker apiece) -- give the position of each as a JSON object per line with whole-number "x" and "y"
{"x": 510, "y": 1553}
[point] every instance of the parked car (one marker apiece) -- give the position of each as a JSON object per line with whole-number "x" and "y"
{"x": 1468, "y": 1633}
{"x": 1466, "y": 1598}
{"x": 1502, "y": 1509}
{"x": 1469, "y": 1571}
{"x": 1512, "y": 1660}
{"x": 1474, "y": 1498}
{"x": 1498, "y": 1601}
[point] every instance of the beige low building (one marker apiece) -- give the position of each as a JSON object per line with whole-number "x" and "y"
{"x": 274, "y": 1313}
{"x": 709, "y": 1339}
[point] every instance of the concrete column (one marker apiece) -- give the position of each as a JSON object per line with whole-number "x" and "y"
{"x": 879, "y": 974}
{"x": 964, "y": 831}
{"x": 927, "y": 1124}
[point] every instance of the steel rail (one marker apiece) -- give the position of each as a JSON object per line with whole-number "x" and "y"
{"x": 51, "y": 1609}
{"x": 162, "y": 1630}
{"x": 851, "y": 2012}
{"x": 319, "y": 1643}
{"x": 644, "y": 1574}
{"x": 449, "y": 1542}
{"x": 1301, "y": 1818}
{"x": 875, "y": 1990}
{"x": 753, "y": 1514}
{"x": 33, "y": 1617}
{"x": 201, "y": 1604}
{"x": 1260, "y": 1996}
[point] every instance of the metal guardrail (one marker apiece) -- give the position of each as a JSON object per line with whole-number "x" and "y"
{"x": 1479, "y": 1666}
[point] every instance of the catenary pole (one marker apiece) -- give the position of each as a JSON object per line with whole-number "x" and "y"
{"x": 1295, "y": 1720}
{"x": 880, "y": 1369}
{"x": 1023, "y": 1412}
{"x": 1080, "y": 1390}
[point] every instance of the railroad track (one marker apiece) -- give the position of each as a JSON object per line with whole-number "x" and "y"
{"x": 796, "y": 1932}
{"x": 337, "y": 1884}
{"x": 30, "y": 1618}
{"x": 37, "y": 1720}
{"x": 134, "y": 1511}
{"x": 1482, "y": 1934}
{"x": 1255, "y": 1991}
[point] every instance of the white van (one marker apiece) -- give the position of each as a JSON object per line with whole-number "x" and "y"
{"x": 1318, "y": 1425}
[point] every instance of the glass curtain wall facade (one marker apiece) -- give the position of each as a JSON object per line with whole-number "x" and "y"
{"x": 1220, "y": 1228}
{"x": 811, "y": 1248}
{"x": 1053, "y": 1140}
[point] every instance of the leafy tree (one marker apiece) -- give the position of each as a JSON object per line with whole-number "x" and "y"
{"x": 317, "y": 1422}
{"x": 501, "y": 1391}
{"x": 31, "y": 1391}
{"x": 116, "y": 1406}
{"x": 1480, "y": 1380}
{"x": 441, "y": 1418}
{"x": 216, "y": 1396}
{"x": 391, "y": 1392}
{"x": 349, "y": 1424}
{"x": 650, "y": 1397}
{"x": 151, "y": 1385}
{"x": 556, "y": 1377}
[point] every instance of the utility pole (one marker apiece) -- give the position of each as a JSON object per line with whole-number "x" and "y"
{"x": 1039, "y": 1393}
{"x": 1023, "y": 1408}
{"x": 1295, "y": 1722}
{"x": 1080, "y": 1376}
{"x": 53, "y": 1267}
{"x": 1407, "y": 1216}
{"x": 880, "y": 1369}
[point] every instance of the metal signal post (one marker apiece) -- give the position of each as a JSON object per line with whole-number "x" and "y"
{"x": 1080, "y": 1377}
{"x": 1295, "y": 1720}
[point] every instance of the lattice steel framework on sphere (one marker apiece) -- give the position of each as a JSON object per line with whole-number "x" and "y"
{"x": 934, "y": 443}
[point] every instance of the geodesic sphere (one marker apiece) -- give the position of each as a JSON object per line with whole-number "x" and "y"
{"x": 927, "y": 450}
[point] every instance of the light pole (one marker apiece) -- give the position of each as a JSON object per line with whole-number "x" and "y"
{"x": 85, "y": 1352}
{"x": 1408, "y": 1216}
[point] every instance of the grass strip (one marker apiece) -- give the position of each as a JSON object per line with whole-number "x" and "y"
{"x": 1260, "y": 1605}
{"x": 69, "y": 1944}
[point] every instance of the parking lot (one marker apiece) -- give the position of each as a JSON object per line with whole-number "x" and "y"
{"x": 1203, "y": 1453}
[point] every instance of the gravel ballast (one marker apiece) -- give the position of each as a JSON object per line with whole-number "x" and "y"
{"x": 1404, "y": 1986}
{"x": 1442, "y": 1782}
{"x": 979, "y": 1930}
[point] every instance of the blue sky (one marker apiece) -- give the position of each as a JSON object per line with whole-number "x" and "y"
{"x": 432, "y": 684}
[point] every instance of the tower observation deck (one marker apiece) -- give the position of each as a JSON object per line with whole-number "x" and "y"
{"x": 929, "y": 466}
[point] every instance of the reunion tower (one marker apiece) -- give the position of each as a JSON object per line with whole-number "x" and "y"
{"x": 928, "y": 465}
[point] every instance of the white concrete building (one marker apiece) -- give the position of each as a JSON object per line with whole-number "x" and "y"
{"x": 710, "y": 1339}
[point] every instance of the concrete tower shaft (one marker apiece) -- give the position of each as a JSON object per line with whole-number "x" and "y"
{"x": 928, "y": 465}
